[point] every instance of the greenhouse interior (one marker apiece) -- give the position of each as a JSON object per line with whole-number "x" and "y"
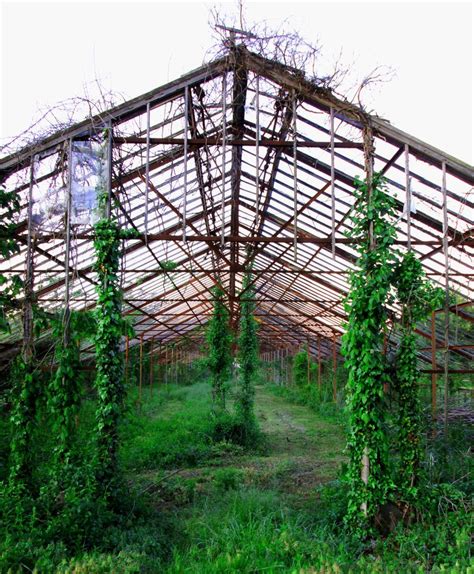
{"x": 335, "y": 250}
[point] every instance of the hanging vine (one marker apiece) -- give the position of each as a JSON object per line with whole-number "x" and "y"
{"x": 417, "y": 297}
{"x": 374, "y": 232}
{"x": 219, "y": 340}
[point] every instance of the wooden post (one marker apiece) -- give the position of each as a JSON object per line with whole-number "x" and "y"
{"x": 333, "y": 188}
{"x": 408, "y": 194}
{"x": 257, "y": 150}
{"x": 446, "y": 295}
{"x": 385, "y": 345}
{"x": 140, "y": 379}
{"x": 147, "y": 169}
{"x": 334, "y": 367}
{"x": 368, "y": 138}
{"x": 223, "y": 152}
{"x": 185, "y": 175}
{"x": 295, "y": 181}
{"x": 308, "y": 365}
{"x": 319, "y": 366}
{"x": 166, "y": 366}
{"x": 151, "y": 368}
{"x": 127, "y": 350}
{"x": 434, "y": 376}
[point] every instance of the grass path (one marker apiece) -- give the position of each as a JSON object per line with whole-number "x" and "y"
{"x": 303, "y": 449}
{"x": 306, "y": 447}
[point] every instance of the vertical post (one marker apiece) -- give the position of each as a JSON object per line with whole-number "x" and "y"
{"x": 408, "y": 194}
{"x": 334, "y": 368}
{"x": 257, "y": 150}
{"x": 333, "y": 189}
{"x": 147, "y": 169}
{"x": 446, "y": 295}
{"x": 319, "y": 366}
{"x": 308, "y": 365}
{"x": 434, "y": 376}
{"x": 151, "y": 367}
{"x": 108, "y": 207}
{"x": 67, "y": 257}
{"x": 368, "y": 138}
{"x": 185, "y": 185}
{"x": 28, "y": 341}
{"x": 127, "y": 351}
{"x": 295, "y": 182}
{"x": 140, "y": 378}
{"x": 166, "y": 366}
{"x": 224, "y": 138}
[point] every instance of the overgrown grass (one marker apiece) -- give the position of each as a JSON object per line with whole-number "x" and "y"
{"x": 196, "y": 506}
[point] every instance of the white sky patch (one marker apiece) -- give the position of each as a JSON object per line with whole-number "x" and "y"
{"x": 54, "y": 51}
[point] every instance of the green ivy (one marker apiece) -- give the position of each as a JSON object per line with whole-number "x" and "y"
{"x": 248, "y": 358}
{"x": 300, "y": 367}
{"x": 418, "y": 298}
{"x": 10, "y": 287}
{"x": 65, "y": 389}
{"x": 219, "y": 340}
{"x": 109, "y": 362}
{"x": 366, "y": 304}
{"x": 23, "y": 421}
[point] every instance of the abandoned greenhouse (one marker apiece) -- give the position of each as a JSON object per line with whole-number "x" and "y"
{"x": 241, "y": 228}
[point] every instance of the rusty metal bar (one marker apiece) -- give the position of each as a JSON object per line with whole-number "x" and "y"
{"x": 333, "y": 188}
{"x": 446, "y": 294}
{"x": 186, "y": 129}
{"x": 223, "y": 152}
{"x": 408, "y": 194}
{"x": 295, "y": 181}
{"x": 147, "y": 165}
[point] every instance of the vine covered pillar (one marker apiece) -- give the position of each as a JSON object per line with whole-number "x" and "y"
{"x": 24, "y": 407}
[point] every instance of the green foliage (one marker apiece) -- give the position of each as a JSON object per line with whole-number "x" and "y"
{"x": 109, "y": 363}
{"x": 418, "y": 298}
{"x": 219, "y": 340}
{"x": 366, "y": 304}
{"x": 25, "y": 393}
{"x": 65, "y": 389}
{"x": 10, "y": 287}
{"x": 300, "y": 368}
{"x": 248, "y": 360}
{"x": 222, "y": 516}
{"x": 228, "y": 478}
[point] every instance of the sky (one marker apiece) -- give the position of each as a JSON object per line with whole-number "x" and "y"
{"x": 51, "y": 51}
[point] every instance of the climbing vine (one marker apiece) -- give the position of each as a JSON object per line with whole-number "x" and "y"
{"x": 374, "y": 232}
{"x": 248, "y": 357}
{"x": 109, "y": 363}
{"x": 417, "y": 297}
{"x": 219, "y": 340}
{"x": 65, "y": 389}
{"x": 22, "y": 421}
{"x": 10, "y": 288}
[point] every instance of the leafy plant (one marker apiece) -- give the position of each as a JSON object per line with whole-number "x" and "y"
{"x": 418, "y": 297}
{"x": 248, "y": 359}
{"x": 10, "y": 287}
{"x": 219, "y": 341}
{"x": 374, "y": 232}
{"x": 65, "y": 389}
{"x": 109, "y": 364}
